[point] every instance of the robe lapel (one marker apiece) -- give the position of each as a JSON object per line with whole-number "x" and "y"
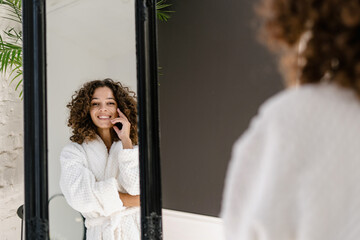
{"x": 112, "y": 167}
{"x": 97, "y": 155}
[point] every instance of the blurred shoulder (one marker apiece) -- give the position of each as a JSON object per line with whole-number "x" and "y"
{"x": 309, "y": 99}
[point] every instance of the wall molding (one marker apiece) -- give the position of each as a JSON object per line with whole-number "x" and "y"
{"x": 179, "y": 225}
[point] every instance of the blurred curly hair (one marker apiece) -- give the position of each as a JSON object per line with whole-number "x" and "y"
{"x": 83, "y": 129}
{"x": 332, "y": 48}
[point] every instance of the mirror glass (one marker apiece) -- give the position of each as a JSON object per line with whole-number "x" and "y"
{"x": 62, "y": 221}
{"x": 88, "y": 40}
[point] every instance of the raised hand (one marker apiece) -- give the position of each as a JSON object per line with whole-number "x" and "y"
{"x": 124, "y": 133}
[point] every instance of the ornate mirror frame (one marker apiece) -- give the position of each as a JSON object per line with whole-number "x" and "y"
{"x": 35, "y": 120}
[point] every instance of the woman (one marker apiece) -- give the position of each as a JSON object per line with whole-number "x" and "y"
{"x": 99, "y": 168}
{"x": 294, "y": 174}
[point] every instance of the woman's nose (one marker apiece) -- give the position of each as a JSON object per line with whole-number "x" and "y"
{"x": 103, "y": 107}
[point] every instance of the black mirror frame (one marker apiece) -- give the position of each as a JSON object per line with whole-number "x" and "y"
{"x": 35, "y": 120}
{"x": 147, "y": 75}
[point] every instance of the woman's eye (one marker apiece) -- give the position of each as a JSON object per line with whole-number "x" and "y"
{"x": 94, "y": 104}
{"x": 112, "y": 103}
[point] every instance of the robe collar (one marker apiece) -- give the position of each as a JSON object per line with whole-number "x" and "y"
{"x": 102, "y": 162}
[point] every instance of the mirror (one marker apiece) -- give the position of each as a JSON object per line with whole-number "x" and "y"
{"x": 75, "y": 70}
{"x": 86, "y": 40}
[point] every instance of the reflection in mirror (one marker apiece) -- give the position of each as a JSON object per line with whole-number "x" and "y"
{"x": 98, "y": 169}
{"x": 64, "y": 220}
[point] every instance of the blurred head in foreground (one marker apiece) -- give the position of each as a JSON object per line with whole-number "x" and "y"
{"x": 315, "y": 40}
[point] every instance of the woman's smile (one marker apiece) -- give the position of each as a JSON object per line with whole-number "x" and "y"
{"x": 104, "y": 117}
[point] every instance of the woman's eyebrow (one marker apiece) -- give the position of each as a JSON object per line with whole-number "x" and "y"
{"x": 106, "y": 98}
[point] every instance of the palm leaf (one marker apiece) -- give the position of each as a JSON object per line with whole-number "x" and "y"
{"x": 8, "y": 59}
{"x": 13, "y": 70}
{"x": 11, "y": 46}
{"x": 13, "y": 33}
{"x": 5, "y": 60}
{"x": 18, "y": 75}
{"x": 162, "y": 14}
{"x": 161, "y": 6}
{"x": 18, "y": 84}
{"x": 13, "y": 7}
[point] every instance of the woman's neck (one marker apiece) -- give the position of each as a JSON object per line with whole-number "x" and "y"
{"x": 106, "y": 136}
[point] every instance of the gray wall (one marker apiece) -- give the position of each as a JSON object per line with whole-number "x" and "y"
{"x": 215, "y": 75}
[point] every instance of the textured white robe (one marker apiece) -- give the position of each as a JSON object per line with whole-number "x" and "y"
{"x": 90, "y": 181}
{"x": 295, "y": 173}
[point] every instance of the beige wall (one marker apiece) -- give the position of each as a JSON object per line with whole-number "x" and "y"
{"x": 11, "y": 160}
{"x": 11, "y": 153}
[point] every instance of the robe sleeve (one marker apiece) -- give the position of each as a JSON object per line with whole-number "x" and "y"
{"x": 129, "y": 175}
{"x": 260, "y": 186}
{"x": 240, "y": 179}
{"x": 80, "y": 188}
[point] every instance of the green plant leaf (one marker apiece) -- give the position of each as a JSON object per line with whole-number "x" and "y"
{"x": 158, "y": 7}
{"x": 19, "y": 74}
{"x": 18, "y": 84}
{"x": 5, "y": 61}
{"x": 11, "y": 46}
{"x": 16, "y": 68}
{"x": 12, "y": 58}
{"x": 161, "y": 13}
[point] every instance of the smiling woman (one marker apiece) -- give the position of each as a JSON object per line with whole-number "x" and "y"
{"x": 99, "y": 168}
{"x": 98, "y": 97}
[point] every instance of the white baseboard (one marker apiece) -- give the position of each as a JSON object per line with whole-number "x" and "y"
{"x": 188, "y": 226}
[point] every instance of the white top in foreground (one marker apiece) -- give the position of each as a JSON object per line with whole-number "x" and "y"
{"x": 295, "y": 173}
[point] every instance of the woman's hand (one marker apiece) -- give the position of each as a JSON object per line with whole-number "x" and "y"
{"x": 124, "y": 133}
{"x": 129, "y": 200}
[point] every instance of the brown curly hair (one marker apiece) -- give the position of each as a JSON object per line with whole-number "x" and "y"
{"x": 83, "y": 129}
{"x": 332, "y": 51}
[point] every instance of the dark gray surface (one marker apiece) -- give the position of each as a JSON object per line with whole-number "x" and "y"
{"x": 215, "y": 76}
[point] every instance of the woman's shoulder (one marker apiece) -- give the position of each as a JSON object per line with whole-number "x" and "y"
{"x": 310, "y": 98}
{"x": 73, "y": 147}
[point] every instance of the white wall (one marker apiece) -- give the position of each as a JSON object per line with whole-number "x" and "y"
{"x": 182, "y": 225}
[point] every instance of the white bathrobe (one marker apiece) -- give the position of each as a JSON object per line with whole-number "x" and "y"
{"x": 90, "y": 181}
{"x": 295, "y": 173}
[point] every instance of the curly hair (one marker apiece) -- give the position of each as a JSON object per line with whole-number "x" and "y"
{"x": 332, "y": 32}
{"x": 83, "y": 129}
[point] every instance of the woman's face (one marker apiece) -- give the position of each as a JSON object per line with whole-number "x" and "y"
{"x": 103, "y": 107}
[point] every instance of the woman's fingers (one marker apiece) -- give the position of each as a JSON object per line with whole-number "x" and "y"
{"x": 124, "y": 132}
{"x": 121, "y": 114}
{"x": 116, "y": 128}
{"x": 116, "y": 120}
